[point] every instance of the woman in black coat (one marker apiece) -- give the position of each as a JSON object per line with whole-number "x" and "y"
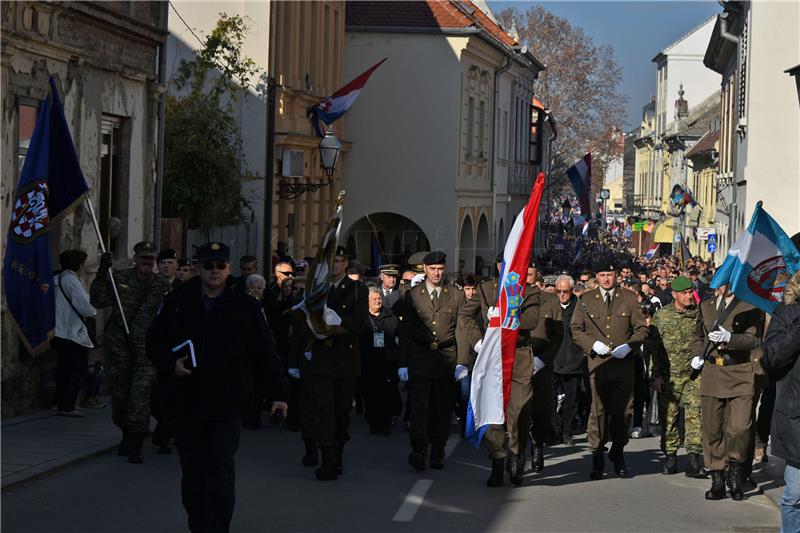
{"x": 782, "y": 360}
{"x": 379, "y": 365}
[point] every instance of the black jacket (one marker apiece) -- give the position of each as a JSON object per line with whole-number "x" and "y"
{"x": 232, "y": 343}
{"x": 781, "y": 359}
{"x": 569, "y": 359}
{"x": 380, "y": 362}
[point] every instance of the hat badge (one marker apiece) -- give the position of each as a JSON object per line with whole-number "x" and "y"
{"x": 215, "y": 246}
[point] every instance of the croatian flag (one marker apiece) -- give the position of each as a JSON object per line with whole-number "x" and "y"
{"x": 651, "y": 253}
{"x": 585, "y": 230}
{"x": 580, "y": 175}
{"x": 333, "y": 107}
{"x": 491, "y": 375}
{"x": 760, "y": 263}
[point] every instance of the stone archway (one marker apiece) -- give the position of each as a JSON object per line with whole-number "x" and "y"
{"x": 399, "y": 237}
{"x": 466, "y": 245}
{"x": 483, "y": 248}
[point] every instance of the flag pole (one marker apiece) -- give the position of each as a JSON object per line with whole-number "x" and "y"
{"x": 110, "y": 272}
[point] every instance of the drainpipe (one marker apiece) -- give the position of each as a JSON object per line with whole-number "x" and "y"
{"x": 162, "y": 76}
{"x": 493, "y": 160}
{"x": 733, "y": 208}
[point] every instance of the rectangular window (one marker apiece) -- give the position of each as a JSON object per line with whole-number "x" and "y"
{"x": 110, "y": 178}
{"x": 481, "y": 128}
{"x": 27, "y": 109}
{"x": 471, "y": 126}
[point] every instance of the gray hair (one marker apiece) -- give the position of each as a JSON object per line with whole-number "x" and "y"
{"x": 252, "y": 279}
{"x": 564, "y": 277}
{"x": 375, "y": 289}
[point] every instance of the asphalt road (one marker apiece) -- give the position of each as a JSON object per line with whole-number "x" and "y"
{"x": 379, "y": 492}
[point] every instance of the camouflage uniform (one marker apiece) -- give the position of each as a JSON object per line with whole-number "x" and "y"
{"x": 671, "y": 334}
{"x": 131, "y": 377}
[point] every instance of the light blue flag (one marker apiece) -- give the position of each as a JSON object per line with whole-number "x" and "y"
{"x": 760, "y": 263}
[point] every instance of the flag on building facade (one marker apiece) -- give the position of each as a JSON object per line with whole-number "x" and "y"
{"x": 760, "y": 263}
{"x": 51, "y": 183}
{"x": 333, "y": 107}
{"x": 580, "y": 175}
{"x": 682, "y": 196}
{"x": 491, "y": 375}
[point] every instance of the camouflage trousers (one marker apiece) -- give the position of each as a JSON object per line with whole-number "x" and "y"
{"x": 131, "y": 387}
{"x": 677, "y": 396}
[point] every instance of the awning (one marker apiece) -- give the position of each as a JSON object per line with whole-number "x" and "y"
{"x": 664, "y": 232}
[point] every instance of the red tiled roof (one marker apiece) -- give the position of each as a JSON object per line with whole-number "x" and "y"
{"x": 705, "y": 143}
{"x": 439, "y": 14}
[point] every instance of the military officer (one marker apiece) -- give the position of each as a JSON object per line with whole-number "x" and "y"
{"x": 130, "y": 373}
{"x": 427, "y": 359}
{"x": 727, "y": 351}
{"x": 608, "y": 325}
{"x": 670, "y": 342}
{"x": 389, "y": 289}
{"x": 518, "y": 410}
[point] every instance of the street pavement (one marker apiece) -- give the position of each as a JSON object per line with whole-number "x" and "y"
{"x": 380, "y": 492}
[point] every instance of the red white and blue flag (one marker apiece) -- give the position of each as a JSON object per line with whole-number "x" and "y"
{"x": 491, "y": 375}
{"x": 651, "y": 252}
{"x": 585, "y": 230}
{"x": 580, "y": 175}
{"x": 333, "y": 107}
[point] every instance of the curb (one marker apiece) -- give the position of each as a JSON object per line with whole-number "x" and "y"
{"x": 56, "y": 465}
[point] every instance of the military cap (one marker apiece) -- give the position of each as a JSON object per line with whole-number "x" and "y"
{"x": 533, "y": 264}
{"x": 435, "y": 258}
{"x": 390, "y": 269}
{"x": 604, "y": 265}
{"x": 145, "y": 249}
{"x": 680, "y": 284}
{"x": 166, "y": 253}
{"x": 213, "y": 250}
{"x": 184, "y": 262}
{"x": 341, "y": 251}
{"x": 630, "y": 282}
{"x": 498, "y": 258}
{"x": 550, "y": 280}
{"x": 416, "y": 261}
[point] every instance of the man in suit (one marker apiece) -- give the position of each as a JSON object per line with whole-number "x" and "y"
{"x": 389, "y": 289}
{"x": 608, "y": 325}
{"x": 428, "y": 341}
{"x": 518, "y": 410}
{"x": 727, "y": 347}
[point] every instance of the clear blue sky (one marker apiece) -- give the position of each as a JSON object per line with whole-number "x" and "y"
{"x": 636, "y": 30}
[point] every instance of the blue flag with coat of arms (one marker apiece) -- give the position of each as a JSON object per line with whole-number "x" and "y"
{"x": 50, "y": 184}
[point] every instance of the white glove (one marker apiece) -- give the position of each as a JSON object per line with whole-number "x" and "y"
{"x": 697, "y": 362}
{"x": 294, "y": 372}
{"x": 461, "y": 372}
{"x": 307, "y": 355}
{"x": 478, "y": 346}
{"x": 402, "y": 373}
{"x": 600, "y": 348}
{"x": 416, "y": 280}
{"x": 538, "y": 364}
{"x": 621, "y": 351}
{"x": 331, "y": 317}
{"x": 493, "y": 312}
{"x": 722, "y": 335}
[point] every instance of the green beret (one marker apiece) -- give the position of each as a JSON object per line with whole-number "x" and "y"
{"x": 681, "y": 283}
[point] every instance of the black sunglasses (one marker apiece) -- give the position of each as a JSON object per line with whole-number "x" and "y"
{"x": 286, "y": 272}
{"x": 215, "y": 265}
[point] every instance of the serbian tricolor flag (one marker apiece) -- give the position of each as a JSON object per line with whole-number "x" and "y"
{"x": 491, "y": 375}
{"x": 580, "y": 175}
{"x": 333, "y": 107}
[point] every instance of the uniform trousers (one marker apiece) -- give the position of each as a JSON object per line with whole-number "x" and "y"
{"x": 518, "y": 421}
{"x": 611, "y": 412}
{"x": 131, "y": 384}
{"x": 727, "y": 425}
{"x": 308, "y": 409}
{"x": 677, "y": 396}
{"x": 208, "y": 485}
{"x": 333, "y": 401}
{"x": 541, "y": 405}
{"x": 432, "y": 401}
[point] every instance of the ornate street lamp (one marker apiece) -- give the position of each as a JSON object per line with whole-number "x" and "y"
{"x": 329, "y": 155}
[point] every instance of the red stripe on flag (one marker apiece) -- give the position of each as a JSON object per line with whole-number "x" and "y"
{"x": 359, "y": 82}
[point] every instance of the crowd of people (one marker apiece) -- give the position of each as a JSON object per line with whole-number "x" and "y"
{"x": 611, "y": 345}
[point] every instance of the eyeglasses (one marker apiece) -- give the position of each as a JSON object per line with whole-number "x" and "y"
{"x": 215, "y": 265}
{"x": 563, "y": 291}
{"x": 286, "y": 273}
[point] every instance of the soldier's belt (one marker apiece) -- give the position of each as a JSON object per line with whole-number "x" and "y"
{"x": 435, "y": 345}
{"x": 724, "y": 360}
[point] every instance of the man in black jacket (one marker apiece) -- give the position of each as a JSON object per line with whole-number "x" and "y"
{"x": 212, "y": 338}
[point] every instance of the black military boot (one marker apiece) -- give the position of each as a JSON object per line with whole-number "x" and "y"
{"x": 537, "y": 458}
{"x": 735, "y": 480}
{"x": 312, "y": 453}
{"x": 515, "y": 464}
{"x": 566, "y": 438}
{"x": 598, "y": 464}
{"x": 339, "y": 457}
{"x": 135, "y": 449}
{"x": 124, "y": 447}
{"x": 618, "y": 459}
{"x": 717, "y": 490}
{"x": 496, "y": 479}
{"x": 437, "y": 457}
{"x": 694, "y": 465}
{"x": 328, "y": 470}
{"x": 747, "y": 477}
{"x": 419, "y": 452}
{"x": 670, "y": 465}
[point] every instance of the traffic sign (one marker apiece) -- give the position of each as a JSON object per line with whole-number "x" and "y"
{"x": 712, "y": 246}
{"x": 712, "y": 238}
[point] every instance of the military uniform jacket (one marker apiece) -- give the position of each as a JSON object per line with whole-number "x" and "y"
{"x": 621, "y": 323}
{"x": 428, "y": 334}
{"x": 140, "y": 302}
{"x": 339, "y": 356}
{"x": 670, "y": 343}
{"x": 746, "y": 324}
{"x": 548, "y": 338}
{"x": 485, "y": 297}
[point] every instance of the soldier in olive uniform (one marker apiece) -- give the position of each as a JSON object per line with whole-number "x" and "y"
{"x": 518, "y": 410}
{"x": 427, "y": 359}
{"x": 670, "y": 342}
{"x": 608, "y": 324}
{"x": 131, "y": 375}
{"x": 726, "y": 345}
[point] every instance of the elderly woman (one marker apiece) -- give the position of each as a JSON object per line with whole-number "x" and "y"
{"x": 254, "y": 285}
{"x": 379, "y": 359}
